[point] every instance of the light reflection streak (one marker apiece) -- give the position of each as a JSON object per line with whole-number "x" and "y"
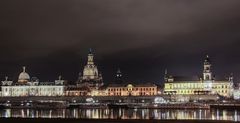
{"x": 215, "y": 114}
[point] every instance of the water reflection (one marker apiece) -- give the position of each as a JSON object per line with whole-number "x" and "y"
{"x": 217, "y": 114}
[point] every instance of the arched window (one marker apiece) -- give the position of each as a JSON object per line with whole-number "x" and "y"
{"x": 207, "y": 77}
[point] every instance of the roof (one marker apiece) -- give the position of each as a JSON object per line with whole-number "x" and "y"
{"x": 186, "y": 78}
{"x": 221, "y": 78}
{"x": 221, "y": 81}
{"x": 145, "y": 85}
{"x": 135, "y": 85}
{"x": 214, "y": 81}
{"x": 46, "y": 83}
{"x": 82, "y": 88}
{"x": 116, "y": 85}
{"x": 185, "y": 81}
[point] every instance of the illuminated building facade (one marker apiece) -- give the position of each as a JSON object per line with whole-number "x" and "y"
{"x": 236, "y": 91}
{"x": 132, "y": 90}
{"x": 91, "y": 76}
{"x": 205, "y": 85}
{"x": 77, "y": 91}
{"x": 102, "y": 91}
{"x": 120, "y": 89}
{"x": 26, "y": 87}
{"x": 236, "y": 94}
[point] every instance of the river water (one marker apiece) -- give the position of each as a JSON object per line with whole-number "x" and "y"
{"x": 213, "y": 114}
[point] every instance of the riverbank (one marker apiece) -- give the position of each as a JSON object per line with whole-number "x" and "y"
{"x": 65, "y": 105}
{"x": 41, "y": 120}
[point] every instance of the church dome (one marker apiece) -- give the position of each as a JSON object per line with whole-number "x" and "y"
{"x": 23, "y": 76}
{"x": 90, "y": 72}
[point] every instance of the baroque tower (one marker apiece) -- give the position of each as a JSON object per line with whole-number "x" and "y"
{"x": 118, "y": 77}
{"x": 207, "y": 73}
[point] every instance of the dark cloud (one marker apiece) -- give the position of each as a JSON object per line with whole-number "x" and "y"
{"x": 52, "y": 36}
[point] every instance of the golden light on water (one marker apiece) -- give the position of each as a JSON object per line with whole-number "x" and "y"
{"x": 217, "y": 114}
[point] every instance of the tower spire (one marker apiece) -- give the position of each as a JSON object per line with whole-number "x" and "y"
{"x": 119, "y": 71}
{"x": 24, "y": 69}
{"x": 207, "y": 73}
{"x": 231, "y": 77}
{"x": 59, "y": 77}
{"x": 119, "y": 76}
{"x": 166, "y": 71}
{"x": 90, "y": 50}
{"x": 90, "y": 57}
{"x": 207, "y": 61}
{"x": 166, "y": 75}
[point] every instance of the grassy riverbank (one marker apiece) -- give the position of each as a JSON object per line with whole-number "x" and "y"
{"x": 39, "y": 120}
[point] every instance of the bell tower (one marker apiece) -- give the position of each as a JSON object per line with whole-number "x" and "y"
{"x": 207, "y": 73}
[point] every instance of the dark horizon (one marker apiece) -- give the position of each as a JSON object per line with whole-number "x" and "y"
{"x": 142, "y": 38}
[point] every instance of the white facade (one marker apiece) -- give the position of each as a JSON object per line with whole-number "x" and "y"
{"x": 236, "y": 94}
{"x": 26, "y": 87}
{"x": 38, "y": 90}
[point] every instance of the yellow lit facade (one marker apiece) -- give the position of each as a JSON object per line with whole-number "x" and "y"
{"x": 132, "y": 90}
{"x": 207, "y": 85}
{"x": 184, "y": 87}
{"x": 77, "y": 91}
{"x": 223, "y": 88}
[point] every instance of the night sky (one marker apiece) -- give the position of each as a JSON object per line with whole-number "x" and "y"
{"x": 142, "y": 37}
